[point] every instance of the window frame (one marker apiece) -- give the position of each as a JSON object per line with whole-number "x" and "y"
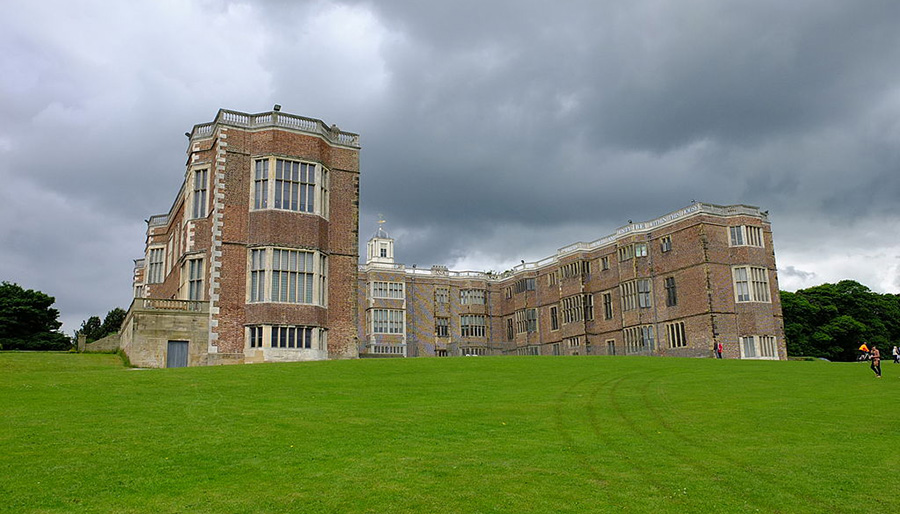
{"x": 758, "y": 345}
{"x": 273, "y": 184}
{"x": 671, "y": 292}
{"x": 676, "y": 337}
{"x": 388, "y": 289}
{"x": 751, "y": 284}
{"x": 281, "y": 337}
{"x": 290, "y": 289}
{"x": 441, "y": 326}
{"x": 199, "y": 193}
{"x": 472, "y": 296}
{"x": 387, "y": 321}
{"x": 665, "y": 243}
{"x": 156, "y": 268}
{"x": 746, "y": 235}
{"x": 469, "y": 328}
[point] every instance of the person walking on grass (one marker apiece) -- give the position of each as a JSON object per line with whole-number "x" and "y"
{"x": 896, "y": 353}
{"x": 876, "y": 361}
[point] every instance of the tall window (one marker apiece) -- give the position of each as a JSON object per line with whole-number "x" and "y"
{"x": 287, "y": 276}
{"x": 323, "y": 280}
{"x": 155, "y": 265}
{"x": 751, "y": 284}
{"x": 387, "y": 321}
{"x": 471, "y": 325}
{"x": 644, "y": 293}
{"x": 554, "y": 318}
{"x": 387, "y": 290}
{"x": 471, "y": 296}
{"x": 526, "y": 320}
{"x": 292, "y": 276}
{"x": 195, "y": 279}
{"x": 510, "y": 333}
{"x": 636, "y": 293}
{"x": 199, "y": 193}
{"x": 257, "y": 275}
{"x": 441, "y": 295}
{"x": 261, "y": 184}
{"x": 290, "y": 185}
{"x": 671, "y": 294}
{"x": 746, "y": 235}
{"x": 607, "y": 306}
{"x": 604, "y": 262}
{"x": 255, "y": 336}
{"x": 675, "y": 335}
{"x": 442, "y": 327}
{"x": 578, "y": 307}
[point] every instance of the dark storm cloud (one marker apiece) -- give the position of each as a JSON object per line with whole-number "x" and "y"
{"x": 491, "y": 131}
{"x": 604, "y": 114}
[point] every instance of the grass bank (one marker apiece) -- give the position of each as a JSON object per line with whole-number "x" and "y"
{"x": 82, "y": 433}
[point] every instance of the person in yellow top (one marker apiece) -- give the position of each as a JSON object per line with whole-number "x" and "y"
{"x": 876, "y": 361}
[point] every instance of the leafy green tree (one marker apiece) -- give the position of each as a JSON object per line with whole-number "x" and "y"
{"x": 27, "y": 320}
{"x": 94, "y": 330}
{"x": 832, "y": 320}
{"x": 91, "y": 329}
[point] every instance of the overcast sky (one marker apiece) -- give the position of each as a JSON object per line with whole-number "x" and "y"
{"x": 491, "y": 132}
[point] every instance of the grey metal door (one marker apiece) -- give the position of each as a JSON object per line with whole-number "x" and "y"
{"x": 177, "y": 355}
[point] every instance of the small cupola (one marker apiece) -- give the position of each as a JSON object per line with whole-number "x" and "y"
{"x": 380, "y": 248}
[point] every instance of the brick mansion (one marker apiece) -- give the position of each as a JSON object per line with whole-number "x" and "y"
{"x": 257, "y": 260}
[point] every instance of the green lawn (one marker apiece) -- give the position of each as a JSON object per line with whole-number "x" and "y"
{"x": 80, "y": 433}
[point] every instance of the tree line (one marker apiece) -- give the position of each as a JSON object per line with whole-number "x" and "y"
{"x": 831, "y": 321}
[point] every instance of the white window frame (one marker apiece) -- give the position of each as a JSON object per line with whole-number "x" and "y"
{"x": 387, "y": 321}
{"x": 156, "y": 256}
{"x": 746, "y": 235}
{"x": 290, "y": 289}
{"x": 267, "y": 186}
{"x": 388, "y": 289}
{"x": 751, "y": 284}
{"x": 193, "y": 271}
{"x": 760, "y": 347}
{"x": 199, "y": 193}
